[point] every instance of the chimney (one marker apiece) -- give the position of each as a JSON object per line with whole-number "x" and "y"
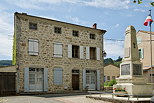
{"x": 95, "y": 26}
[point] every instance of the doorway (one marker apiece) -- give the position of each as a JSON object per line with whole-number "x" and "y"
{"x": 75, "y": 79}
{"x": 36, "y": 79}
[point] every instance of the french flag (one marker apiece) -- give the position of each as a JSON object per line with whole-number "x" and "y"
{"x": 148, "y": 20}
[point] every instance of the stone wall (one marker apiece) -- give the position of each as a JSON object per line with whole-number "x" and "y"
{"x": 46, "y": 37}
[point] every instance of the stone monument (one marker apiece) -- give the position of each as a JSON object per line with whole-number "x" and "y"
{"x": 131, "y": 79}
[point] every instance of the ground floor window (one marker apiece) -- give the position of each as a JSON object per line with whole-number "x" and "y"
{"x": 36, "y": 79}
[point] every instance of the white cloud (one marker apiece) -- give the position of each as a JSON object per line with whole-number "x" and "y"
{"x": 6, "y": 47}
{"x": 109, "y": 3}
{"x": 114, "y": 48}
{"x": 36, "y": 4}
{"x": 6, "y": 28}
{"x": 139, "y": 10}
{"x": 117, "y": 25}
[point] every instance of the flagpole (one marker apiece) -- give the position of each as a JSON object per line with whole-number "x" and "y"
{"x": 151, "y": 50}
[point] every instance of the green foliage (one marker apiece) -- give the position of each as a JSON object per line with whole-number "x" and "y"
{"x": 5, "y": 63}
{"x": 114, "y": 62}
{"x": 110, "y": 83}
{"x": 14, "y": 50}
{"x": 108, "y": 61}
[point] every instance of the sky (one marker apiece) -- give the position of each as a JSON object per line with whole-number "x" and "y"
{"x": 114, "y": 16}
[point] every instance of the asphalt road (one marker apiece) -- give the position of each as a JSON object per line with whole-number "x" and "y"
{"x": 49, "y": 98}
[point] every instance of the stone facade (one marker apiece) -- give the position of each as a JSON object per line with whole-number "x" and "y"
{"x": 144, "y": 49}
{"x": 108, "y": 75}
{"x": 45, "y": 59}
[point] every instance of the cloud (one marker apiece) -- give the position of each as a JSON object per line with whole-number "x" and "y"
{"x": 113, "y": 48}
{"x": 109, "y": 3}
{"x": 117, "y": 25}
{"x": 6, "y": 28}
{"x": 36, "y": 4}
{"x": 6, "y": 47}
{"x": 139, "y": 10}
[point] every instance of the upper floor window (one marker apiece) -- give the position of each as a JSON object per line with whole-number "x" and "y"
{"x": 75, "y": 33}
{"x": 141, "y": 54}
{"x": 57, "y": 30}
{"x": 139, "y": 40}
{"x": 92, "y": 53}
{"x": 33, "y": 26}
{"x": 33, "y": 47}
{"x": 75, "y": 51}
{"x": 58, "y": 50}
{"x": 92, "y": 36}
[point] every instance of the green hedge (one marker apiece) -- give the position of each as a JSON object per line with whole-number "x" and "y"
{"x": 110, "y": 83}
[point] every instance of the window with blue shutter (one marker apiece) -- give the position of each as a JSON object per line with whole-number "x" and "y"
{"x": 58, "y": 76}
{"x": 58, "y": 52}
{"x": 141, "y": 53}
{"x": 33, "y": 47}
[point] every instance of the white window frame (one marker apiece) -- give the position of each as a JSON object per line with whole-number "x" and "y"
{"x": 33, "y": 47}
{"x": 58, "y": 53}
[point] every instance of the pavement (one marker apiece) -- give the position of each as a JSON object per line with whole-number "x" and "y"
{"x": 50, "y": 98}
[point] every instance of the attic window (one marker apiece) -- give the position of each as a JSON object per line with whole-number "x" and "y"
{"x": 33, "y": 26}
{"x": 92, "y": 36}
{"x": 57, "y": 30}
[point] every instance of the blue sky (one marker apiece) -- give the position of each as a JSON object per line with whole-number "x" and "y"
{"x": 111, "y": 15}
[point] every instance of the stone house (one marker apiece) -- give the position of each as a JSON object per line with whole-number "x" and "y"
{"x": 143, "y": 42}
{"x": 111, "y": 72}
{"x": 54, "y": 56}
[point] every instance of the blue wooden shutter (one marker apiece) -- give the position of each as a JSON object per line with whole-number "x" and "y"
{"x": 98, "y": 79}
{"x": 69, "y": 51}
{"x": 26, "y": 80}
{"x": 58, "y": 80}
{"x": 142, "y": 53}
{"x": 98, "y": 53}
{"x": 45, "y": 79}
{"x": 81, "y": 52}
{"x": 84, "y": 78}
{"x": 87, "y": 53}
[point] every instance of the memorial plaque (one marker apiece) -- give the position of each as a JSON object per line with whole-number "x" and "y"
{"x": 137, "y": 69}
{"x": 125, "y": 69}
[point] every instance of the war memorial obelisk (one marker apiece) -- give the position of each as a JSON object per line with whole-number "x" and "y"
{"x": 131, "y": 73}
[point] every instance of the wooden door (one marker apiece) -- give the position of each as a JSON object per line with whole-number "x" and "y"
{"x": 7, "y": 83}
{"x": 75, "y": 81}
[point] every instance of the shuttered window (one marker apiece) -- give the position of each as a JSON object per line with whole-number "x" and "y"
{"x": 141, "y": 53}
{"x": 33, "y": 47}
{"x": 58, "y": 76}
{"x": 58, "y": 50}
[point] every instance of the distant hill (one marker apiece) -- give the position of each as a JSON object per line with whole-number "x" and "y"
{"x": 5, "y": 62}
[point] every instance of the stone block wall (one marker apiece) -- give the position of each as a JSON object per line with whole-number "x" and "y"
{"x": 45, "y": 59}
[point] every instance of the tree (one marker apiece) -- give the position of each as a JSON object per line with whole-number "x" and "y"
{"x": 108, "y": 61}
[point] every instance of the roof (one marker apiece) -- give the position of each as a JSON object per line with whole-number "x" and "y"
{"x": 25, "y": 14}
{"x": 110, "y": 65}
{"x": 148, "y": 32}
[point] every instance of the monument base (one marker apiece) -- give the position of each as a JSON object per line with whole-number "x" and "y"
{"x": 134, "y": 89}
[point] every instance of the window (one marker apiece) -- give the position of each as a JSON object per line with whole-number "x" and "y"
{"x": 138, "y": 40}
{"x": 57, "y": 30}
{"x": 33, "y": 47}
{"x": 58, "y": 50}
{"x": 75, "y": 51}
{"x": 92, "y": 36}
{"x": 92, "y": 53}
{"x": 75, "y": 33}
{"x": 33, "y": 26}
{"x": 113, "y": 77}
{"x": 141, "y": 54}
{"x": 58, "y": 76}
{"x": 108, "y": 78}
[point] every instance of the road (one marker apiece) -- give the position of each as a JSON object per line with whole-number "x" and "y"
{"x": 49, "y": 98}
